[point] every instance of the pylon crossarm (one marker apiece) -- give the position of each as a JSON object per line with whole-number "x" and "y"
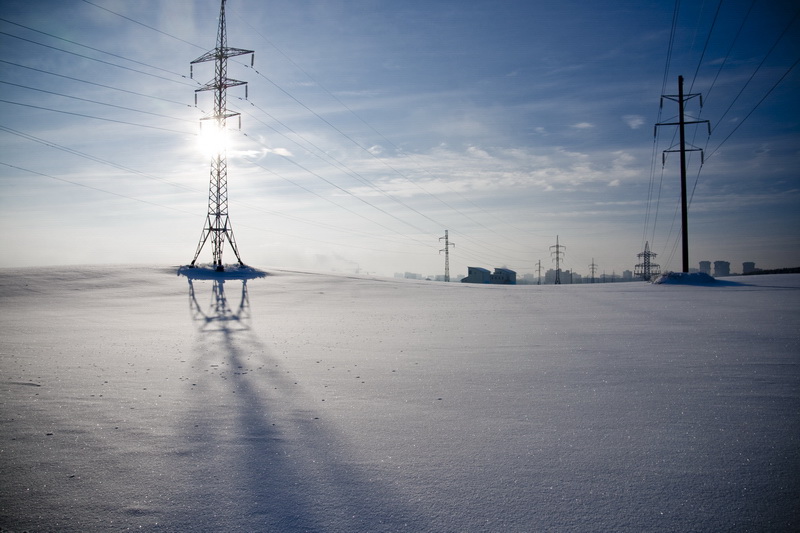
{"x": 213, "y": 55}
{"x": 223, "y": 116}
{"x": 213, "y": 85}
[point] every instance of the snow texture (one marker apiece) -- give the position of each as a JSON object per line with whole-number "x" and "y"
{"x": 135, "y": 398}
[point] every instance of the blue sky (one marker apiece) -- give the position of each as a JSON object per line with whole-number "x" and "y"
{"x": 372, "y": 126}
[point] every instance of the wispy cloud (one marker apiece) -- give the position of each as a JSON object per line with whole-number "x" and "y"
{"x": 634, "y": 121}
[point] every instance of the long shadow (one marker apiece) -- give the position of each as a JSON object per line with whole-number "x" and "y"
{"x": 275, "y": 465}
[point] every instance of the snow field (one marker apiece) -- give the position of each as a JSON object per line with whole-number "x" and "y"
{"x": 137, "y": 398}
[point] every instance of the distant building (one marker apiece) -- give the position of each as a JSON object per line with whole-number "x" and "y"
{"x": 477, "y": 275}
{"x": 502, "y": 276}
{"x": 565, "y": 277}
{"x": 627, "y": 275}
{"x": 705, "y": 267}
{"x": 722, "y": 268}
{"x": 748, "y": 267}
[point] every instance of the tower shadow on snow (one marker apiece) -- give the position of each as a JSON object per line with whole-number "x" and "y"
{"x": 275, "y": 464}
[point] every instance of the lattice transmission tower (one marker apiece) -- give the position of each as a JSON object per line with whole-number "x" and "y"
{"x": 446, "y": 250}
{"x": 218, "y": 225}
{"x": 593, "y": 269}
{"x": 647, "y": 269}
{"x": 557, "y": 255}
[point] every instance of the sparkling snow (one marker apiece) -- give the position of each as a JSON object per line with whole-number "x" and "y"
{"x": 167, "y": 400}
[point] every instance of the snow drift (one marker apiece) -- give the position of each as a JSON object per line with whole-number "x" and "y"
{"x": 138, "y": 398}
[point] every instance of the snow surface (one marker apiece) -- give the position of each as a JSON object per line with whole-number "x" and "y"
{"x": 137, "y": 398}
{"x": 687, "y": 278}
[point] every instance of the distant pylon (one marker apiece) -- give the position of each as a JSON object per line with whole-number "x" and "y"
{"x": 593, "y": 269}
{"x": 539, "y": 268}
{"x": 557, "y": 258}
{"x": 647, "y": 269}
{"x": 446, "y": 250}
{"x": 218, "y": 225}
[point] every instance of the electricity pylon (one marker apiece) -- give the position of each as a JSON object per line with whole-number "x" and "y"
{"x": 446, "y": 250}
{"x": 557, "y": 258}
{"x": 218, "y": 225}
{"x": 646, "y": 269}
{"x": 681, "y": 98}
{"x": 539, "y": 268}
{"x": 593, "y": 269}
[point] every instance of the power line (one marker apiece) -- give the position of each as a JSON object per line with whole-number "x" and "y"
{"x": 95, "y": 101}
{"x": 705, "y": 46}
{"x": 667, "y": 63}
{"x": 93, "y": 83}
{"x": 106, "y": 191}
{"x": 324, "y": 156}
{"x": 95, "y": 118}
{"x": 90, "y": 157}
{"x": 739, "y": 124}
{"x": 92, "y": 48}
{"x": 144, "y": 25}
{"x": 347, "y": 192}
{"x": 671, "y": 45}
{"x": 761, "y": 64}
{"x": 397, "y": 149}
{"x": 93, "y": 58}
{"x": 329, "y": 200}
{"x": 730, "y": 49}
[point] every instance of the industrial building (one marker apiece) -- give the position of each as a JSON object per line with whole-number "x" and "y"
{"x": 501, "y": 276}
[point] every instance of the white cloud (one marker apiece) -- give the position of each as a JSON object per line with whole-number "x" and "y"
{"x": 634, "y": 121}
{"x": 583, "y": 125}
{"x": 478, "y": 152}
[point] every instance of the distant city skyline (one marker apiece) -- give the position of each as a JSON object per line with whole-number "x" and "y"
{"x": 575, "y": 277}
{"x": 371, "y": 128}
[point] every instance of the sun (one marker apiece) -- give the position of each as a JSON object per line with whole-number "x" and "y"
{"x": 212, "y": 141}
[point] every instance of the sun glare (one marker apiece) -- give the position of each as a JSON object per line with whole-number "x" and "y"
{"x": 212, "y": 141}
